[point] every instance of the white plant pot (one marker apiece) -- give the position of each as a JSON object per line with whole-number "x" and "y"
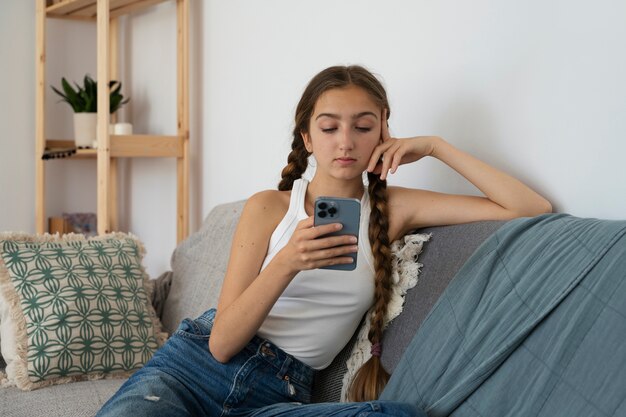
{"x": 85, "y": 129}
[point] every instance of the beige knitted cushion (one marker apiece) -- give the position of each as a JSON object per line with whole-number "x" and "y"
{"x": 74, "y": 308}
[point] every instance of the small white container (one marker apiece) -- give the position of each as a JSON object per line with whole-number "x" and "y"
{"x": 123, "y": 129}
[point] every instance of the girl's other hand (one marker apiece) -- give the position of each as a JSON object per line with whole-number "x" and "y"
{"x": 307, "y": 249}
{"x": 392, "y": 152}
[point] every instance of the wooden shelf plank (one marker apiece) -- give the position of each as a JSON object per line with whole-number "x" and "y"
{"x": 146, "y": 146}
{"x": 67, "y": 7}
{"x": 87, "y": 9}
{"x": 91, "y": 9}
{"x": 127, "y": 146}
{"x": 85, "y": 154}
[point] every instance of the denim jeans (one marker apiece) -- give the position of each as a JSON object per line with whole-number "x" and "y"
{"x": 183, "y": 379}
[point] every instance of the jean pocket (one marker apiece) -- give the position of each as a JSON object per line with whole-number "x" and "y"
{"x": 192, "y": 329}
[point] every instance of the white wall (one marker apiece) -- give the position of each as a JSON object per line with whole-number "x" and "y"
{"x": 535, "y": 88}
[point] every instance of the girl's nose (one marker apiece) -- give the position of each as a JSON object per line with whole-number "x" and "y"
{"x": 346, "y": 141}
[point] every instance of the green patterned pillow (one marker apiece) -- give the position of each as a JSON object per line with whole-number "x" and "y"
{"x": 73, "y": 308}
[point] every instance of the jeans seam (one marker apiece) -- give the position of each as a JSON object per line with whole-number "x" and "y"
{"x": 187, "y": 335}
{"x": 235, "y": 385}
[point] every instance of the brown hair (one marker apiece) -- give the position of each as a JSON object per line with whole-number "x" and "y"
{"x": 371, "y": 378}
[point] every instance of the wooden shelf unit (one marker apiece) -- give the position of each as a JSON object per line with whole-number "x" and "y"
{"x": 110, "y": 147}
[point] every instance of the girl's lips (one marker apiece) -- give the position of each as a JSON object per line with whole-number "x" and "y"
{"x": 345, "y": 161}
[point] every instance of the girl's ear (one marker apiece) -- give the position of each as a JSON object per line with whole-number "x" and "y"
{"x": 306, "y": 138}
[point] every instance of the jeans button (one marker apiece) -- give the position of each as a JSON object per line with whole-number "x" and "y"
{"x": 266, "y": 352}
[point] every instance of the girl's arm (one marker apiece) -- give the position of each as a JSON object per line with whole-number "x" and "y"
{"x": 505, "y": 197}
{"x": 248, "y": 295}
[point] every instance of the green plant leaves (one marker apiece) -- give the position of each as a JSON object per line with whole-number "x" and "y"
{"x": 85, "y": 99}
{"x": 116, "y": 99}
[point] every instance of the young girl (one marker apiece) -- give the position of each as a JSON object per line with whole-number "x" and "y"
{"x": 280, "y": 317}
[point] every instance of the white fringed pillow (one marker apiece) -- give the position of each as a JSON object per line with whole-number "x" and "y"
{"x": 73, "y": 308}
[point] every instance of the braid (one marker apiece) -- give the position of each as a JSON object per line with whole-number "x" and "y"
{"x": 379, "y": 239}
{"x": 297, "y": 162}
{"x": 371, "y": 378}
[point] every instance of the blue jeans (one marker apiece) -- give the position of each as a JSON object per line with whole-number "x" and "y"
{"x": 183, "y": 379}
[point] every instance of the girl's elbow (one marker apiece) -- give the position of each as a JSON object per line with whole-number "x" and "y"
{"x": 543, "y": 207}
{"x": 547, "y": 207}
{"x": 218, "y": 352}
{"x": 535, "y": 209}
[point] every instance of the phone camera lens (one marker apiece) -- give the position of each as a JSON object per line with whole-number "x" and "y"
{"x": 332, "y": 211}
{"x": 322, "y": 205}
{"x": 322, "y": 214}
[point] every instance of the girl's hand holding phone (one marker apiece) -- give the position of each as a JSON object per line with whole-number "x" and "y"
{"x": 309, "y": 249}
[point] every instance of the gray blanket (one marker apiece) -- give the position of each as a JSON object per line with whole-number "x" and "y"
{"x": 534, "y": 324}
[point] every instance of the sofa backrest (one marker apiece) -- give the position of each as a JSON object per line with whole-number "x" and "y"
{"x": 199, "y": 265}
{"x": 442, "y": 256}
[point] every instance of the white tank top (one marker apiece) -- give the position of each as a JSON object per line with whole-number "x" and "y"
{"x": 320, "y": 309}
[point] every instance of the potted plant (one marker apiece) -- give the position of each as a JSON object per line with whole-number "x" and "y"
{"x": 84, "y": 102}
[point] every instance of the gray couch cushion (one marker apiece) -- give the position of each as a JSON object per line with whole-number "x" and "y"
{"x": 199, "y": 265}
{"x": 78, "y": 399}
{"x": 445, "y": 253}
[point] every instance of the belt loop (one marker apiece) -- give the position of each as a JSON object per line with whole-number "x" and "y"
{"x": 285, "y": 367}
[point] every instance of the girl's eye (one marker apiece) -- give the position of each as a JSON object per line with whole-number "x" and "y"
{"x": 329, "y": 129}
{"x": 363, "y": 129}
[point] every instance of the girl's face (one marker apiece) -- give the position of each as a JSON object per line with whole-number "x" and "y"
{"x": 343, "y": 132}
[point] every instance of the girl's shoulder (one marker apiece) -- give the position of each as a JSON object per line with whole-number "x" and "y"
{"x": 272, "y": 198}
{"x": 268, "y": 207}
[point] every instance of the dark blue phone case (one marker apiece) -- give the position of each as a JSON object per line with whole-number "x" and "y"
{"x": 346, "y": 211}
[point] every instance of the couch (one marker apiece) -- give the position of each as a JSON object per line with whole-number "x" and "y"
{"x": 197, "y": 267}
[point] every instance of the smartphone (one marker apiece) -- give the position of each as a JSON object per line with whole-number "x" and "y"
{"x": 346, "y": 211}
